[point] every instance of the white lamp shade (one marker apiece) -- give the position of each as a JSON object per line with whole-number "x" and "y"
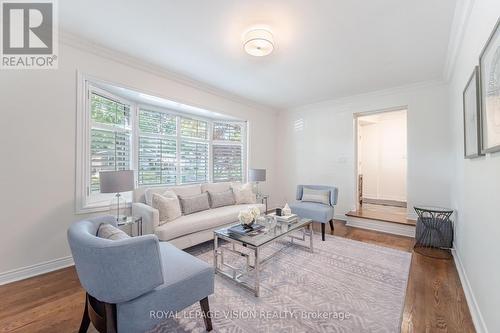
{"x": 116, "y": 181}
{"x": 259, "y": 42}
{"x": 257, "y": 175}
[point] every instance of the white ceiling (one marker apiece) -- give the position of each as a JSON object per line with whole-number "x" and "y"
{"x": 325, "y": 48}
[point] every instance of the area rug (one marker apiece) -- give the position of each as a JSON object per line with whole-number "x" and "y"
{"x": 344, "y": 286}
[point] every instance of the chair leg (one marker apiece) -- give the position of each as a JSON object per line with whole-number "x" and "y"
{"x": 84, "y": 325}
{"x": 323, "y": 231}
{"x": 111, "y": 325}
{"x": 205, "y": 308}
{"x": 331, "y": 226}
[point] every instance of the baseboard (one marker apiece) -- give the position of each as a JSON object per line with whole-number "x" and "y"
{"x": 34, "y": 270}
{"x": 387, "y": 227}
{"x": 475, "y": 313}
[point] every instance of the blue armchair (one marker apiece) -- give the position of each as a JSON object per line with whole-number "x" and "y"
{"x": 316, "y": 211}
{"x": 128, "y": 279}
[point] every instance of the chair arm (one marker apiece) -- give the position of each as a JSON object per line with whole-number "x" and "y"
{"x": 150, "y": 216}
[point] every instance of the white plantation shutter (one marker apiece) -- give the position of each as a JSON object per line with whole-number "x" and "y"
{"x": 193, "y": 162}
{"x": 193, "y": 128}
{"x": 227, "y": 163}
{"x": 227, "y": 132}
{"x": 157, "y": 161}
{"x": 110, "y": 136}
{"x": 155, "y": 122}
{"x": 227, "y": 151}
{"x": 193, "y": 151}
{"x": 157, "y": 148}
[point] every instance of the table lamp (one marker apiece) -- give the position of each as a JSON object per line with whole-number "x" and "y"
{"x": 116, "y": 182}
{"x": 257, "y": 175}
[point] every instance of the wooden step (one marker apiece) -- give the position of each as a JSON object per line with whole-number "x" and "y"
{"x": 392, "y": 220}
{"x": 381, "y": 216}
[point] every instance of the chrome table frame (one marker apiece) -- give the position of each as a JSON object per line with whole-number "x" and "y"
{"x": 257, "y": 264}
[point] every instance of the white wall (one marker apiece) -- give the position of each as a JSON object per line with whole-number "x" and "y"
{"x": 38, "y": 146}
{"x": 317, "y": 144}
{"x": 369, "y": 159}
{"x": 476, "y": 190}
{"x": 382, "y": 155}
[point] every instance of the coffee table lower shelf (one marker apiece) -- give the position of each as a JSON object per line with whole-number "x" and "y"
{"x": 255, "y": 265}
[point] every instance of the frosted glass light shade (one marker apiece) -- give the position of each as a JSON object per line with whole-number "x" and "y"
{"x": 259, "y": 42}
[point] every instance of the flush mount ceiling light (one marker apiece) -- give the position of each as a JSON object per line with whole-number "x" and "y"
{"x": 258, "y": 42}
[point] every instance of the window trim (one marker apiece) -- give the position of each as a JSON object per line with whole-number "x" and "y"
{"x": 86, "y": 85}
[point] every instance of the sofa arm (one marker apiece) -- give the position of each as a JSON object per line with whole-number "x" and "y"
{"x": 150, "y": 216}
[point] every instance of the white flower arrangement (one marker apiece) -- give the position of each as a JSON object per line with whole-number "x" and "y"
{"x": 255, "y": 211}
{"x": 248, "y": 216}
{"x": 245, "y": 217}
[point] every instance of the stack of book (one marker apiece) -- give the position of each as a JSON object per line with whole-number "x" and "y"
{"x": 287, "y": 219}
{"x": 243, "y": 230}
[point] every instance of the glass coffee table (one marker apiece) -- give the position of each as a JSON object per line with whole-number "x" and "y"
{"x": 274, "y": 231}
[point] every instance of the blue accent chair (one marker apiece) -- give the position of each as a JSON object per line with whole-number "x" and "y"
{"x": 129, "y": 280}
{"x": 316, "y": 211}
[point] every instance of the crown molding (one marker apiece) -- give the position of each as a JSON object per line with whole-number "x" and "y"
{"x": 373, "y": 94}
{"x": 458, "y": 28}
{"x": 86, "y": 45}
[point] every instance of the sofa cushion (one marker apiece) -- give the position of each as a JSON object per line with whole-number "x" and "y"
{"x": 107, "y": 231}
{"x": 313, "y": 210}
{"x": 194, "y": 203}
{"x": 148, "y": 193}
{"x": 216, "y": 187}
{"x": 313, "y": 195}
{"x": 220, "y": 199}
{"x": 168, "y": 206}
{"x": 243, "y": 193}
{"x": 204, "y": 220}
{"x": 178, "y": 190}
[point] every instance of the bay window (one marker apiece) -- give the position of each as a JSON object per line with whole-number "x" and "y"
{"x": 164, "y": 147}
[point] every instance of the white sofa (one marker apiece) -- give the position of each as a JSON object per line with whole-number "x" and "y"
{"x": 187, "y": 230}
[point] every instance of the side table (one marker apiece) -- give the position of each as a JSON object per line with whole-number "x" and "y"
{"x": 434, "y": 230}
{"x": 131, "y": 220}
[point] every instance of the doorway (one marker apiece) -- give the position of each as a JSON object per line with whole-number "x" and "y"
{"x": 382, "y": 164}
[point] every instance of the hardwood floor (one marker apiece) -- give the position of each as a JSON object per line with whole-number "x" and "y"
{"x": 435, "y": 301}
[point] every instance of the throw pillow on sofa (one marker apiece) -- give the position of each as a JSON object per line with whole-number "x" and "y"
{"x": 319, "y": 196}
{"x": 107, "y": 231}
{"x": 148, "y": 194}
{"x": 168, "y": 206}
{"x": 194, "y": 203}
{"x": 220, "y": 199}
{"x": 243, "y": 194}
